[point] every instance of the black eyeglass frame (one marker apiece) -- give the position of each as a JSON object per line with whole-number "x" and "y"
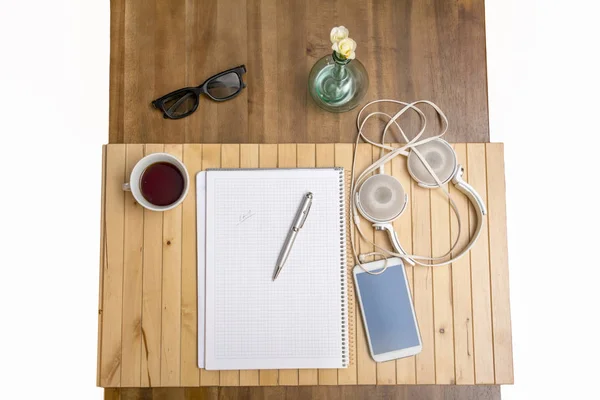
{"x": 197, "y": 91}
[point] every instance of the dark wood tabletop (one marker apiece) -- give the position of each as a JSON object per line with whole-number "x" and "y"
{"x": 412, "y": 50}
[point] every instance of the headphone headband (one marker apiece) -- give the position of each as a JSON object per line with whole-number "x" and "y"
{"x": 427, "y": 159}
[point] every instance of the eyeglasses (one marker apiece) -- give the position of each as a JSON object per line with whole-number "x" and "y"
{"x": 220, "y": 87}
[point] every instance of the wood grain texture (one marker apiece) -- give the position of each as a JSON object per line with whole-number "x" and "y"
{"x": 148, "y": 321}
{"x": 116, "y": 109}
{"x": 101, "y": 269}
{"x": 412, "y": 50}
{"x": 483, "y": 349}
{"x": 201, "y": 30}
{"x": 461, "y": 286}
{"x": 152, "y": 291}
{"x": 112, "y": 298}
{"x": 423, "y": 283}
{"x": 170, "y": 359}
{"x": 131, "y": 351}
{"x": 386, "y": 371}
{"x": 366, "y": 367}
{"x": 407, "y": 392}
{"x": 499, "y": 265}
{"x": 325, "y": 157}
{"x": 262, "y": 87}
{"x": 230, "y": 47}
{"x": 406, "y": 367}
{"x": 442, "y": 290}
{"x": 170, "y": 65}
{"x": 139, "y": 79}
{"x": 192, "y": 158}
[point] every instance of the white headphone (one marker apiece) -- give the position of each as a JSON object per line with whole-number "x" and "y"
{"x": 381, "y": 199}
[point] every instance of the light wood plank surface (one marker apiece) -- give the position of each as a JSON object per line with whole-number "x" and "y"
{"x": 112, "y": 299}
{"x": 442, "y": 289}
{"x": 468, "y": 300}
{"x": 325, "y": 157}
{"x": 192, "y": 158}
{"x": 461, "y": 285}
{"x": 131, "y": 349}
{"x": 152, "y": 291}
{"x": 102, "y": 259}
{"x": 423, "y": 283}
{"x": 406, "y": 367}
{"x": 386, "y": 371}
{"x": 483, "y": 349}
{"x": 503, "y": 362}
{"x": 170, "y": 359}
{"x": 366, "y": 367}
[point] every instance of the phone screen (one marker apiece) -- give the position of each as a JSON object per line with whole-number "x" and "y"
{"x": 387, "y": 308}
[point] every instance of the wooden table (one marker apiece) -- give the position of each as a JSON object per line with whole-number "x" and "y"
{"x": 412, "y": 50}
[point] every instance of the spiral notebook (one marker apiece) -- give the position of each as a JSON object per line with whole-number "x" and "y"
{"x": 300, "y": 320}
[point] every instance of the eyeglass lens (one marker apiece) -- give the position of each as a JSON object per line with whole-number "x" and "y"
{"x": 224, "y": 85}
{"x": 179, "y": 105}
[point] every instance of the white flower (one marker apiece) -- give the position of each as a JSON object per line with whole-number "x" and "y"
{"x": 345, "y": 48}
{"x": 338, "y": 33}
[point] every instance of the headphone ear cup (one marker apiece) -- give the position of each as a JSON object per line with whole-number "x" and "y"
{"x": 381, "y": 198}
{"x": 441, "y": 158}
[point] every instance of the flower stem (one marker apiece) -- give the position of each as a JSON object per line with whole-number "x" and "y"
{"x": 339, "y": 69}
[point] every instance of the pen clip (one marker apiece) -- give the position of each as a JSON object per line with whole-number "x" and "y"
{"x": 304, "y": 211}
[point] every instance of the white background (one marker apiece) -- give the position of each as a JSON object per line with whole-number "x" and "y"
{"x": 543, "y": 97}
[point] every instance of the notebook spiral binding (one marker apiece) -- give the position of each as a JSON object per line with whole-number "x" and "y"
{"x": 343, "y": 272}
{"x": 349, "y": 278}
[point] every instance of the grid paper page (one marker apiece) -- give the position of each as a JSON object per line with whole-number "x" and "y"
{"x": 251, "y": 321}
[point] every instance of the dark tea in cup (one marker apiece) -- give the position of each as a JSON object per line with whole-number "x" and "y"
{"x": 158, "y": 182}
{"x": 162, "y": 183}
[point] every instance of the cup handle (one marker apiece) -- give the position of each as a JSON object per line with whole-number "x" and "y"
{"x": 127, "y": 187}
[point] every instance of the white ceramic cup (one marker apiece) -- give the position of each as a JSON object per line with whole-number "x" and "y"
{"x": 138, "y": 170}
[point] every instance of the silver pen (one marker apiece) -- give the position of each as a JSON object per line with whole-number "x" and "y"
{"x": 291, "y": 237}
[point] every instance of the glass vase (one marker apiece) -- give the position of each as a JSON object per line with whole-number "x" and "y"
{"x": 336, "y": 84}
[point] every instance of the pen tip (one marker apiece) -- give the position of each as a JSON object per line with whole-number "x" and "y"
{"x": 276, "y": 274}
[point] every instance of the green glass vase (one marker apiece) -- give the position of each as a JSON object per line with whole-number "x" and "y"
{"x": 336, "y": 84}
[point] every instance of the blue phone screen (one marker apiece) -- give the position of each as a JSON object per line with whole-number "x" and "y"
{"x": 387, "y": 308}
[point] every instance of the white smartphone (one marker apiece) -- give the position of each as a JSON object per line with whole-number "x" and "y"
{"x": 387, "y": 311}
